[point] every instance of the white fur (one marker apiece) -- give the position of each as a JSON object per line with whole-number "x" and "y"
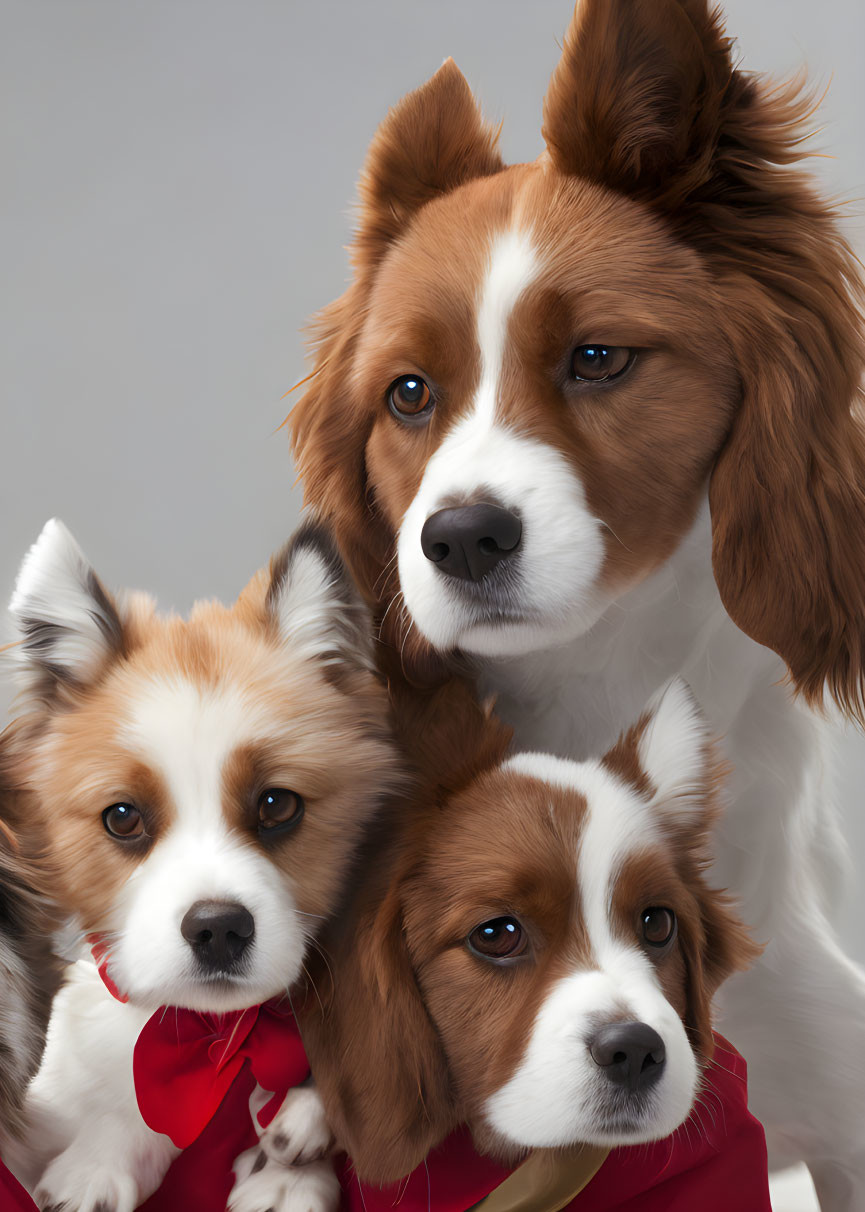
{"x": 562, "y": 548}
{"x": 186, "y": 734}
{"x": 556, "y": 1096}
{"x": 52, "y": 588}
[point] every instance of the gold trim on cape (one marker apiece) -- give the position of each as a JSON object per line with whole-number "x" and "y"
{"x": 547, "y": 1181}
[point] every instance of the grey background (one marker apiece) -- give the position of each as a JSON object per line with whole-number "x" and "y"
{"x": 178, "y": 181}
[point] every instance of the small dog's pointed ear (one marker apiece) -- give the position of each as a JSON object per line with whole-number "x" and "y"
{"x": 675, "y": 748}
{"x": 315, "y": 606}
{"x": 434, "y": 140}
{"x": 669, "y": 757}
{"x": 67, "y": 624}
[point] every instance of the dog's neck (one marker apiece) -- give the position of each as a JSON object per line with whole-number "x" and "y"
{"x": 573, "y": 699}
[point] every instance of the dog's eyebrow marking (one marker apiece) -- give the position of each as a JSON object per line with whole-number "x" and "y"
{"x": 512, "y": 266}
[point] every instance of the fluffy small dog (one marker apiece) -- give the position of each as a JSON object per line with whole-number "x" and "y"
{"x": 201, "y": 785}
{"x": 535, "y": 954}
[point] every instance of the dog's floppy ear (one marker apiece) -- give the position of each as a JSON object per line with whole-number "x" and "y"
{"x": 646, "y": 100}
{"x": 67, "y": 624}
{"x": 434, "y": 140}
{"x": 314, "y": 605}
{"x": 373, "y": 1050}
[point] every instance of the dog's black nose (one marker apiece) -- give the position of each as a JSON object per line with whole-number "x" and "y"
{"x": 630, "y": 1054}
{"x": 469, "y": 540}
{"x": 218, "y": 932}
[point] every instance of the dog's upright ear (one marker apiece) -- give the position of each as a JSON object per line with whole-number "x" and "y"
{"x": 646, "y": 100}
{"x": 375, "y": 1054}
{"x": 433, "y": 141}
{"x": 314, "y": 606}
{"x": 669, "y": 756}
{"x": 67, "y": 624}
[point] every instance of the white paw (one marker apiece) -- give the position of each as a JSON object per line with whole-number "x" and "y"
{"x": 264, "y": 1185}
{"x": 68, "y": 1186}
{"x": 300, "y": 1133}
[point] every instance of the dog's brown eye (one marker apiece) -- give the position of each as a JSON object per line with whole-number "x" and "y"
{"x": 501, "y": 938}
{"x": 659, "y": 926}
{"x": 123, "y": 821}
{"x": 410, "y": 399}
{"x": 278, "y": 810}
{"x": 597, "y": 363}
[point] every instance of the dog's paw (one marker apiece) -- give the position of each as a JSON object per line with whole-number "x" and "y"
{"x": 299, "y": 1133}
{"x": 66, "y": 1186}
{"x": 264, "y": 1185}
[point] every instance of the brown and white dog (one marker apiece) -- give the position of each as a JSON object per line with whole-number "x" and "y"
{"x": 590, "y": 420}
{"x": 201, "y": 786}
{"x": 535, "y": 950}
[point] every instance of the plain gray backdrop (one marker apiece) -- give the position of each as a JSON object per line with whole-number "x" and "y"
{"x": 179, "y": 177}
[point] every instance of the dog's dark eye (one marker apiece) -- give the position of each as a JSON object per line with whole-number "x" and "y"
{"x": 123, "y": 821}
{"x": 659, "y": 926}
{"x": 410, "y": 399}
{"x": 597, "y": 363}
{"x": 278, "y": 810}
{"x": 501, "y": 938}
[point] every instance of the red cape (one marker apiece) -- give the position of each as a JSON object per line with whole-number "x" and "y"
{"x": 13, "y": 1197}
{"x": 714, "y": 1162}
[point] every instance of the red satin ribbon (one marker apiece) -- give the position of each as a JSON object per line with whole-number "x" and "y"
{"x": 186, "y": 1061}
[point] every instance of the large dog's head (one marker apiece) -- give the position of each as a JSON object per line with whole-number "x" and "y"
{"x": 521, "y": 399}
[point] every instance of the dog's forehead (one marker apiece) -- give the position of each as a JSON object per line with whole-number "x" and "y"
{"x": 538, "y": 821}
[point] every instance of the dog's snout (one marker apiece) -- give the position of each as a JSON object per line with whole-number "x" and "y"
{"x": 467, "y": 541}
{"x": 218, "y": 932}
{"x": 629, "y": 1054}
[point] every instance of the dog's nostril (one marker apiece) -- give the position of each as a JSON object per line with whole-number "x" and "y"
{"x": 468, "y": 541}
{"x": 218, "y": 932}
{"x": 629, "y": 1054}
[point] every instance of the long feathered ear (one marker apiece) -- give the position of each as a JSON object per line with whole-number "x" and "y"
{"x": 66, "y": 622}
{"x": 646, "y": 100}
{"x": 433, "y": 141}
{"x": 375, "y": 1054}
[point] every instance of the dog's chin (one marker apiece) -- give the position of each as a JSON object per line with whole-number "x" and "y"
{"x": 217, "y": 994}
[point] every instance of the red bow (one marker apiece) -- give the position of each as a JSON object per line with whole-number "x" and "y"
{"x": 185, "y": 1062}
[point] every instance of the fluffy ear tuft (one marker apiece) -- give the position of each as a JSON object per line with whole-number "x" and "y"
{"x": 431, "y": 142}
{"x": 317, "y": 609}
{"x": 674, "y": 748}
{"x": 66, "y": 621}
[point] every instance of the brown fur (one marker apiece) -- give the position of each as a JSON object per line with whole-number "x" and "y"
{"x": 407, "y": 1032}
{"x": 670, "y": 219}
